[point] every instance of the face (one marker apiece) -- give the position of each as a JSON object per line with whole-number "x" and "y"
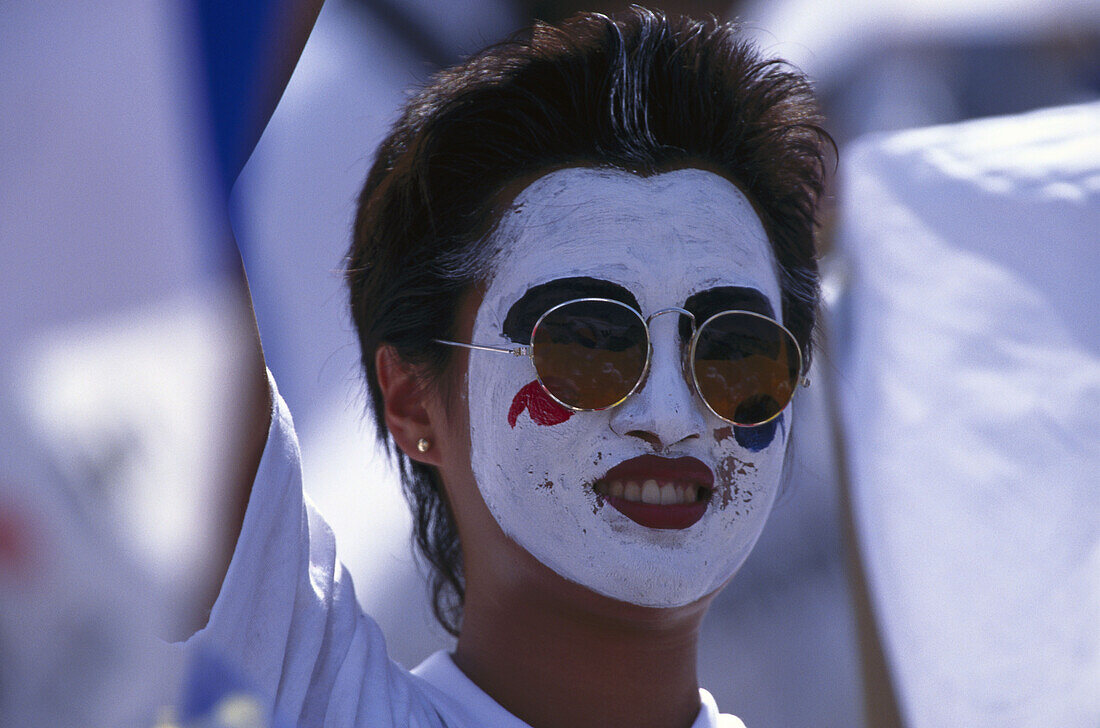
{"x": 576, "y": 489}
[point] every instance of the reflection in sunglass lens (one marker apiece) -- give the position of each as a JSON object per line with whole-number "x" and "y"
{"x": 746, "y": 367}
{"x": 590, "y": 354}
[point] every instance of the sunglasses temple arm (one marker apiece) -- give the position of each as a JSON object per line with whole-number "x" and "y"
{"x": 517, "y": 351}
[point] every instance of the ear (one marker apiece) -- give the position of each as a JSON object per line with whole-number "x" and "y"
{"x": 405, "y": 410}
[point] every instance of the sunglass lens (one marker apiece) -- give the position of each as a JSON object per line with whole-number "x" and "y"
{"x": 746, "y": 367}
{"x": 590, "y": 354}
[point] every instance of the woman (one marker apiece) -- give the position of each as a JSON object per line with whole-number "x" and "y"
{"x": 627, "y": 207}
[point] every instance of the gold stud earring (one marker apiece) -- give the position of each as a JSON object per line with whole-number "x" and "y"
{"x": 423, "y": 444}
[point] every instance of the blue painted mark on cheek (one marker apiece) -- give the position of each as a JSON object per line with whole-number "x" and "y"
{"x": 755, "y": 439}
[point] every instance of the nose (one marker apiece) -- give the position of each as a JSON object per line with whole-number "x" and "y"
{"x": 665, "y": 410}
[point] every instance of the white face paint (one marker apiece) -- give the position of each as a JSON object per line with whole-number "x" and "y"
{"x": 663, "y": 239}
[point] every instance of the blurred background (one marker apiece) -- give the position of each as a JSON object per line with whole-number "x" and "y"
{"x": 925, "y": 566}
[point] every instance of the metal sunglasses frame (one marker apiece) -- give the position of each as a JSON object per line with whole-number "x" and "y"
{"x": 529, "y": 352}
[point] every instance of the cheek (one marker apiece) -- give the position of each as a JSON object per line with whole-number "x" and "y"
{"x": 749, "y": 459}
{"x": 540, "y": 408}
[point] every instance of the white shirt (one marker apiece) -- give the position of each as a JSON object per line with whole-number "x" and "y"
{"x": 288, "y": 619}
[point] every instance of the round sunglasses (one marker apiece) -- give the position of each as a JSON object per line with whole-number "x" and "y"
{"x": 592, "y": 353}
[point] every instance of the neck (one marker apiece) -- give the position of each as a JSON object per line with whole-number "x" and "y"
{"x": 555, "y": 654}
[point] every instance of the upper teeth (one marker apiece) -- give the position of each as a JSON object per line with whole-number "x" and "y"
{"x": 652, "y": 491}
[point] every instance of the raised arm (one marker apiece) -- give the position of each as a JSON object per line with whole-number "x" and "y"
{"x": 279, "y": 32}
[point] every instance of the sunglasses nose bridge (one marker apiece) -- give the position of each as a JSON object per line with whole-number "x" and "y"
{"x": 671, "y": 309}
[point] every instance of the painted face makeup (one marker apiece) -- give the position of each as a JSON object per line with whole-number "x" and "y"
{"x": 656, "y": 502}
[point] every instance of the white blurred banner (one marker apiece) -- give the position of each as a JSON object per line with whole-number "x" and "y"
{"x": 970, "y": 379}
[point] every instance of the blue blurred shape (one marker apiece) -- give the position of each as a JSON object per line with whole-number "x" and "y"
{"x": 231, "y": 38}
{"x": 216, "y": 695}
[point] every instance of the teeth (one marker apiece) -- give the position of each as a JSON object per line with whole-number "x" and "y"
{"x": 652, "y": 492}
{"x": 632, "y": 492}
{"x": 668, "y": 494}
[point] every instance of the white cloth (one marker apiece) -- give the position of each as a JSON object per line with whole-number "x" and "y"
{"x": 970, "y": 379}
{"x": 478, "y": 709}
{"x": 288, "y": 619}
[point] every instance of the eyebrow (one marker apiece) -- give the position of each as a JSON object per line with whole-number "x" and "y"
{"x": 539, "y": 299}
{"x": 705, "y": 304}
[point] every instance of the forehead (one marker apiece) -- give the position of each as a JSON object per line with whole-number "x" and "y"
{"x": 662, "y": 237}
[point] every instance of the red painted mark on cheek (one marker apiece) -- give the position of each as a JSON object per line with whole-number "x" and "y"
{"x": 542, "y": 409}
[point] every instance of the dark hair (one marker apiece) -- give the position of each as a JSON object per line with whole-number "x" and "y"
{"x": 638, "y": 92}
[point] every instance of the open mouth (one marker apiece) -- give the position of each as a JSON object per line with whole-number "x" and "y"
{"x": 656, "y": 492}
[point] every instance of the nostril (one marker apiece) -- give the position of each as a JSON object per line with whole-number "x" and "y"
{"x": 655, "y": 440}
{"x": 648, "y": 437}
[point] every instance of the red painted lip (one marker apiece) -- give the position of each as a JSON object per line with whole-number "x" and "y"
{"x": 668, "y": 517}
{"x": 676, "y": 470}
